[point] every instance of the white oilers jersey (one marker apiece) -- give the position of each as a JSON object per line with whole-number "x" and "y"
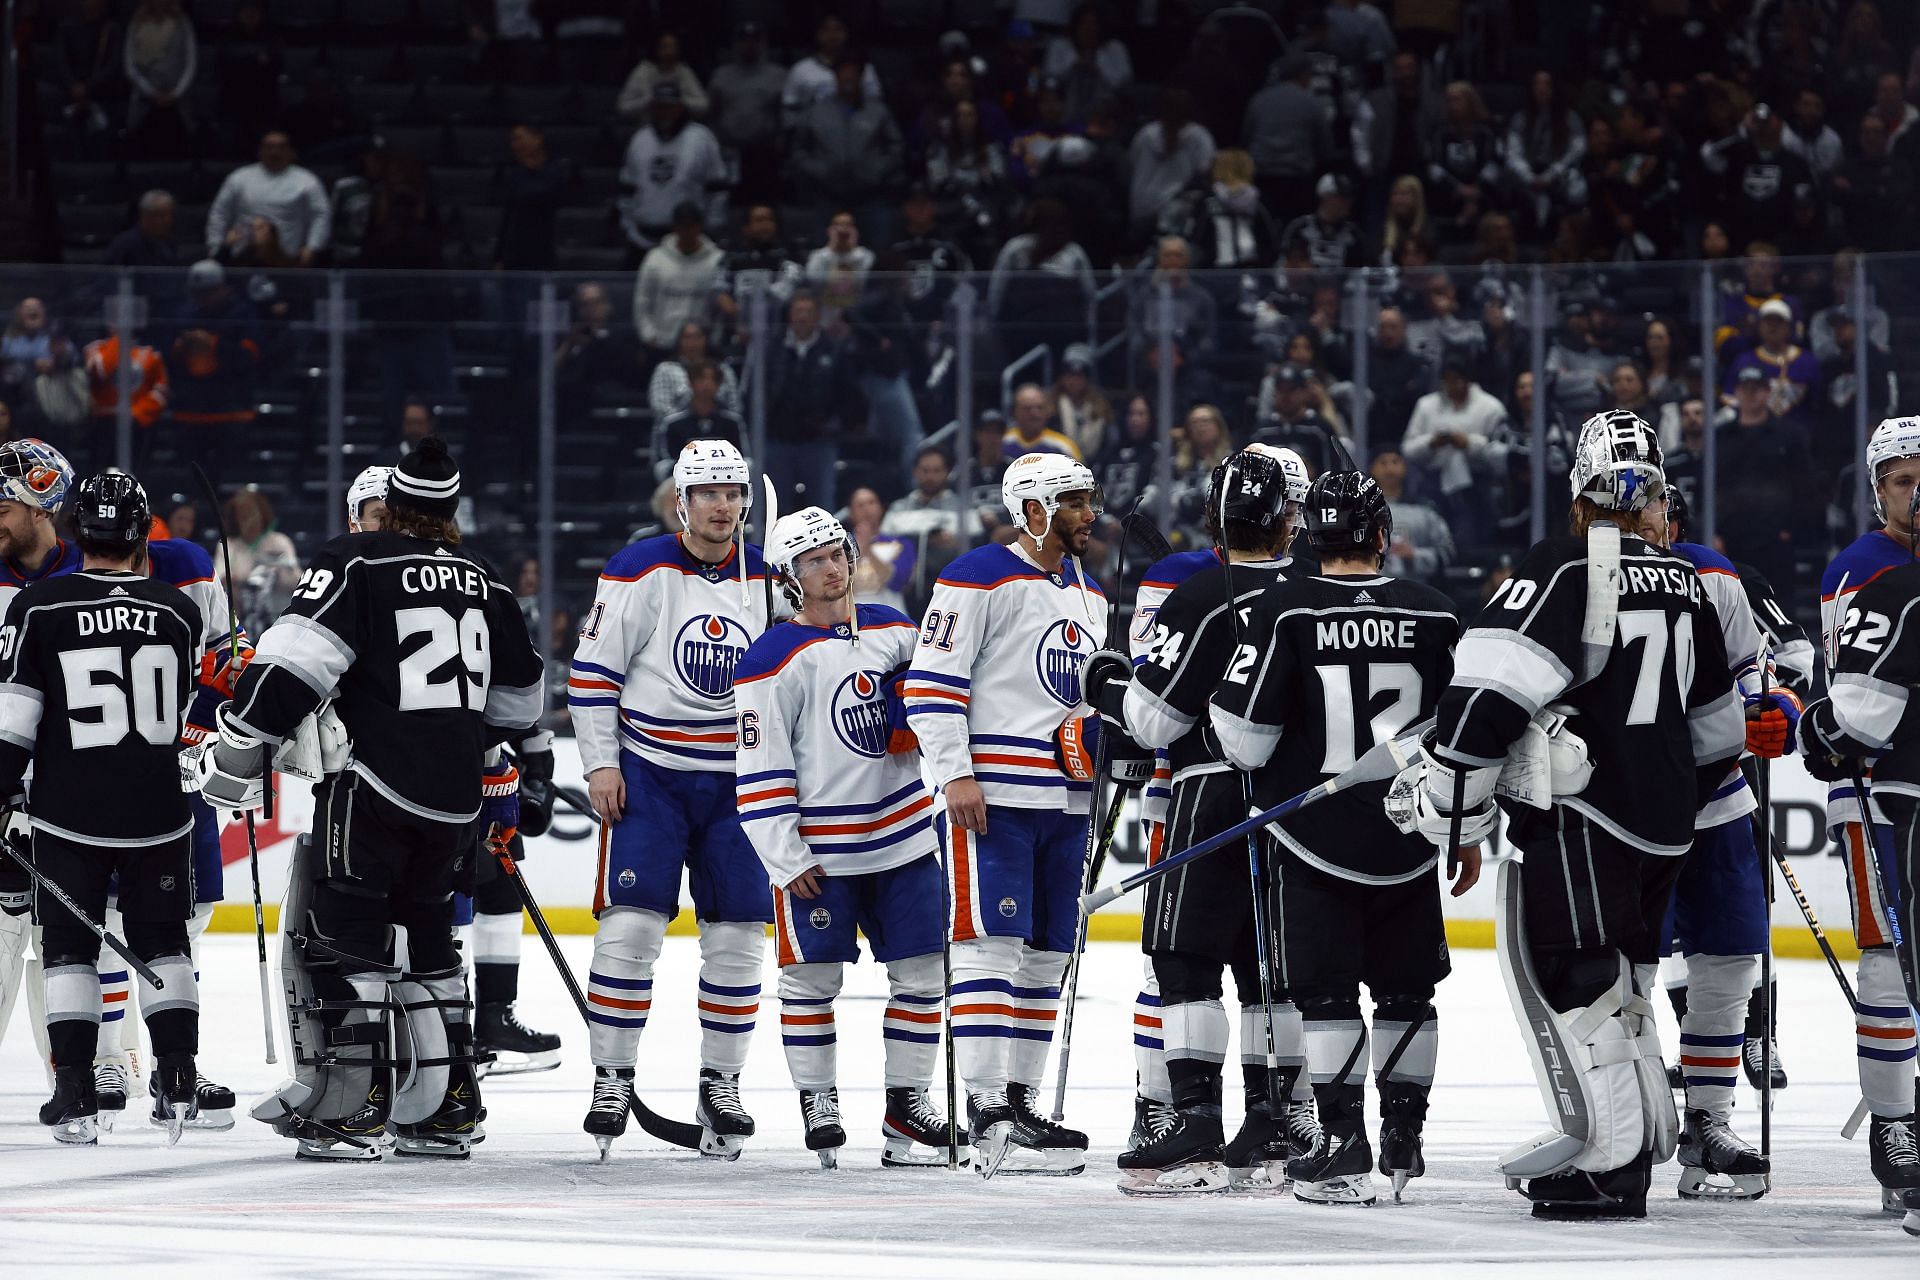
{"x": 653, "y": 672}
{"x": 817, "y": 785}
{"x": 1165, "y": 574}
{"x": 997, "y": 671}
{"x": 1741, "y": 633}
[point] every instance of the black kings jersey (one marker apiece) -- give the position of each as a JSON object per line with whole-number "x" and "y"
{"x": 1871, "y": 709}
{"x": 1655, "y": 707}
{"x": 1330, "y": 668}
{"x": 425, "y": 654}
{"x": 96, "y": 669}
{"x": 1184, "y": 657}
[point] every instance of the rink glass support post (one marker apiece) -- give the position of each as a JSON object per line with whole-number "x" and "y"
{"x": 1861, "y": 306}
{"x": 1163, "y": 465}
{"x": 1359, "y": 320}
{"x": 548, "y": 322}
{"x": 962, "y": 302}
{"x": 334, "y": 315}
{"x": 1537, "y": 418}
{"x": 125, "y": 315}
{"x": 759, "y": 314}
{"x": 1708, "y": 499}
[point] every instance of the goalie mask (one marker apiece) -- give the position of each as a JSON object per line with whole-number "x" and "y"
{"x": 710, "y": 462}
{"x": 1893, "y": 439}
{"x": 794, "y": 536}
{"x": 35, "y": 474}
{"x": 1345, "y": 511}
{"x": 1261, "y": 486}
{"x": 1617, "y": 465}
{"x": 1044, "y": 478}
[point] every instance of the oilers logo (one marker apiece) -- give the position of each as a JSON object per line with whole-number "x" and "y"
{"x": 860, "y": 715}
{"x": 1063, "y": 648}
{"x": 706, "y": 651}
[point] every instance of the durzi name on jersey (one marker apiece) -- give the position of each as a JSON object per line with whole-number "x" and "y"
{"x": 116, "y": 617}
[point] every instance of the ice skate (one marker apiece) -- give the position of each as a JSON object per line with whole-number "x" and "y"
{"x": 1339, "y": 1169}
{"x": 725, "y": 1125}
{"x": 1895, "y": 1156}
{"x": 1715, "y": 1164}
{"x": 612, "y": 1104}
{"x": 174, "y": 1089}
{"x": 1149, "y": 1119}
{"x": 516, "y": 1048}
{"x": 1617, "y": 1193}
{"x": 213, "y": 1106}
{"x": 73, "y": 1111}
{"x": 450, "y": 1132}
{"x": 1911, "y": 1223}
{"x": 989, "y": 1130}
{"x": 1753, "y": 1056}
{"x": 110, "y": 1092}
{"x": 1256, "y": 1158}
{"x": 1186, "y": 1157}
{"x": 1038, "y": 1145}
{"x": 915, "y": 1134}
{"x": 1403, "y": 1115}
{"x": 321, "y": 1147}
{"x": 820, "y": 1112}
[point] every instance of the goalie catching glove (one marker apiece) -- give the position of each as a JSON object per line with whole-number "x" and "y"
{"x": 1549, "y": 761}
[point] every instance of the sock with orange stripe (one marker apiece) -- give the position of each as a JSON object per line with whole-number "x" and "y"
{"x": 911, "y": 1026}
{"x": 1714, "y": 1029}
{"x": 1884, "y": 1035}
{"x": 982, "y": 1012}
{"x": 732, "y": 955}
{"x": 620, "y": 983}
{"x": 1036, "y": 1007}
{"x": 807, "y": 1030}
{"x": 1149, "y": 1042}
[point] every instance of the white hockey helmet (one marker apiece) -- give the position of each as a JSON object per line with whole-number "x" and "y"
{"x": 1292, "y": 466}
{"x": 1043, "y": 478}
{"x": 795, "y": 535}
{"x": 1617, "y": 463}
{"x": 1892, "y": 440}
{"x": 35, "y": 474}
{"x": 366, "y": 487}
{"x": 710, "y": 462}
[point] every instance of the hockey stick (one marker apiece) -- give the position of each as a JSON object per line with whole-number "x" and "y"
{"x": 677, "y": 1132}
{"x": 1763, "y": 778}
{"x": 59, "y": 895}
{"x": 946, "y": 1028}
{"x": 266, "y": 773}
{"x": 770, "y": 516}
{"x": 1379, "y": 764}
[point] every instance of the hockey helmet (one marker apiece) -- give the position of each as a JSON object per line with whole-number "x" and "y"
{"x": 1893, "y": 439}
{"x": 1617, "y": 463}
{"x": 110, "y": 512}
{"x": 1043, "y": 478}
{"x": 370, "y": 485}
{"x": 1260, "y": 485}
{"x": 795, "y": 535}
{"x": 1678, "y": 512}
{"x": 35, "y": 474}
{"x": 1345, "y": 510}
{"x": 710, "y": 462}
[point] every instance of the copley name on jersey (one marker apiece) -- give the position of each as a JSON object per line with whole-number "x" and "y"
{"x": 467, "y": 579}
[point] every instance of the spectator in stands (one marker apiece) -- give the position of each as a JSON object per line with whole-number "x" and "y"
{"x": 1080, "y": 409}
{"x": 1544, "y": 146}
{"x": 162, "y": 57}
{"x": 746, "y": 112}
{"x": 886, "y": 564}
{"x": 1506, "y": 350}
{"x": 1810, "y": 137}
{"x": 1082, "y": 173}
{"x": 1288, "y": 136}
{"x": 149, "y": 241}
{"x": 1628, "y": 387}
{"x": 592, "y": 359}
{"x": 1838, "y": 398}
{"x": 1757, "y": 173}
{"x": 181, "y": 516}
{"x": 260, "y": 249}
{"x": 532, "y": 189}
{"x": 700, "y": 417}
{"x": 26, "y": 350}
{"x": 879, "y": 351}
{"x": 1127, "y": 466}
{"x": 1289, "y": 419}
{"x": 1463, "y": 166}
{"x": 1323, "y": 385}
{"x": 1820, "y": 334}
{"x": 416, "y": 423}
{"x": 1042, "y": 280}
{"x": 1396, "y": 378}
{"x": 1740, "y": 304}
{"x": 1230, "y": 228}
{"x": 665, "y": 67}
{"x": 815, "y": 78}
{"x": 957, "y": 86}
{"x": 1194, "y": 321}
{"x": 1204, "y": 445}
{"x": 89, "y": 62}
{"x": 148, "y": 401}
{"x": 1663, "y": 363}
{"x": 1495, "y": 241}
{"x": 760, "y": 259}
{"x": 1422, "y": 545}
{"x": 1874, "y": 191}
{"x": 1092, "y": 64}
{"x": 1172, "y": 156}
{"x": 1891, "y": 107}
{"x": 806, "y": 386}
{"x": 277, "y": 189}
{"x": 1767, "y": 485}
{"x": 671, "y": 161}
{"x": 1033, "y": 430}
{"x": 1032, "y": 147}
{"x": 967, "y": 174}
{"x": 989, "y": 466}
{"x": 936, "y": 265}
{"x": 671, "y": 384}
{"x": 837, "y": 271}
{"x": 1792, "y": 372}
{"x": 1686, "y": 450}
{"x": 1444, "y": 328}
{"x": 325, "y": 125}
{"x": 1578, "y": 368}
{"x": 265, "y": 567}
{"x": 248, "y": 63}
{"x": 1406, "y": 217}
{"x": 1328, "y": 238}
{"x": 932, "y": 512}
{"x": 1457, "y": 443}
{"x": 847, "y": 151}
{"x": 212, "y": 364}
{"x": 1393, "y": 125}
{"x": 676, "y": 282}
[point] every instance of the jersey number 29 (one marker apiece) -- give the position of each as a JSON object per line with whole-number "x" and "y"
{"x": 448, "y": 638}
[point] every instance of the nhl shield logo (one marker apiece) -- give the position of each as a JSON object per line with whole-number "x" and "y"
{"x": 166, "y": 884}
{"x": 1008, "y": 907}
{"x": 860, "y": 715}
{"x": 705, "y": 652}
{"x": 819, "y": 917}
{"x": 1063, "y": 648}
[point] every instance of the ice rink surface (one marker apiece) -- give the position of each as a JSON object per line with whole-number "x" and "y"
{"x": 534, "y": 1199}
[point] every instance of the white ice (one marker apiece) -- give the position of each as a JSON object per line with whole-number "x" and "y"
{"x": 534, "y": 1198}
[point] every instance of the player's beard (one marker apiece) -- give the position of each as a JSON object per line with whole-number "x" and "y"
{"x": 1075, "y": 543}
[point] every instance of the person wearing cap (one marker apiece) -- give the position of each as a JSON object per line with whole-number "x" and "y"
{"x": 1766, "y": 499}
{"x": 1457, "y": 444}
{"x": 1422, "y": 545}
{"x": 1081, "y": 409}
{"x": 665, "y": 67}
{"x": 1820, "y": 330}
{"x": 670, "y": 161}
{"x": 277, "y": 189}
{"x": 813, "y": 78}
{"x": 1578, "y": 368}
{"x": 213, "y": 362}
{"x": 1792, "y": 372}
{"x": 846, "y": 151}
{"x": 676, "y": 282}
{"x": 745, "y": 114}
{"x": 1288, "y": 419}
{"x": 1757, "y": 173}
{"x": 1172, "y": 155}
{"x": 1288, "y": 136}
{"x": 1328, "y": 238}
{"x": 989, "y": 466}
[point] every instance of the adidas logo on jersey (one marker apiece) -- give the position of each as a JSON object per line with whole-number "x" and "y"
{"x": 1365, "y": 597}
{"x": 118, "y": 591}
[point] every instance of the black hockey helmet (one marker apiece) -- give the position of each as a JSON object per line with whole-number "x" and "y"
{"x": 1255, "y": 486}
{"x": 1677, "y": 512}
{"x": 110, "y": 512}
{"x": 1345, "y": 510}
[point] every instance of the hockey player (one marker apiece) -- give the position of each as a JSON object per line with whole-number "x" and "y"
{"x": 835, "y": 806}
{"x": 1885, "y": 1041}
{"x": 428, "y": 664}
{"x": 1330, "y": 666}
{"x": 651, "y": 692}
{"x": 1200, "y": 919}
{"x": 995, "y": 676}
{"x": 1614, "y": 641}
{"x": 367, "y": 500}
{"x": 96, "y": 668}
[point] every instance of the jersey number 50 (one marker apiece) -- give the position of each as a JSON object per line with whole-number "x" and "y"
{"x": 448, "y": 638}
{"x": 147, "y": 703}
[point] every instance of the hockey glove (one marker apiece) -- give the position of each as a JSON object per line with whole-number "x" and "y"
{"x": 1076, "y": 745}
{"x": 1129, "y": 764}
{"x": 16, "y": 886}
{"x": 500, "y": 801}
{"x": 220, "y": 667}
{"x": 1772, "y": 718}
{"x": 1104, "y": 680}
{"x": 1825, "y": 761}
{"x": 535, "y": 755}
{"x": 1421, "y": 801}
{"x": 900, "y": 735}
{"x": 230, "y": 766}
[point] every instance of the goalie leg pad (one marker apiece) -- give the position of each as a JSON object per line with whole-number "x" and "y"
{"x": 620, "y": 983}
{"x": 1656, "y": 1095}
